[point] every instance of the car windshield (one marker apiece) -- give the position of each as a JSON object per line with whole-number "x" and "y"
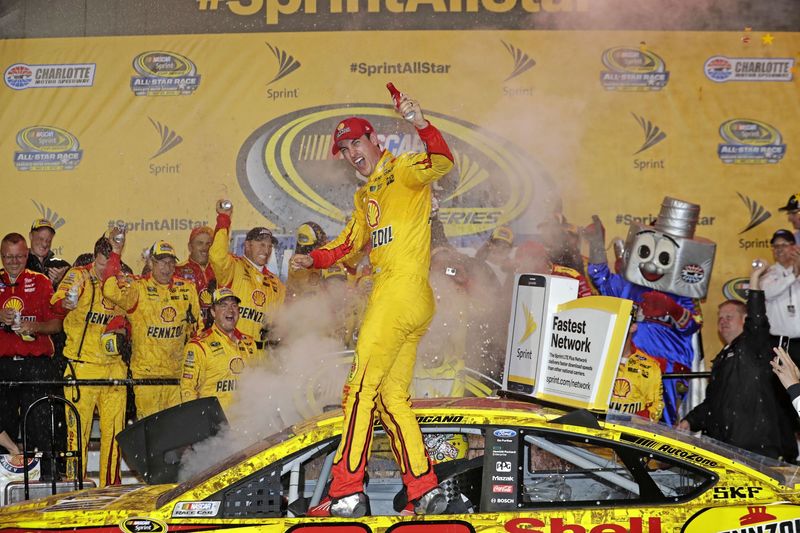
{"x": 784, "y": 473}
{"x": 232, "y": 460}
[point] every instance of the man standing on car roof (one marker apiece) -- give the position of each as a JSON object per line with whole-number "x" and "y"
{"x": 392, "y": 211}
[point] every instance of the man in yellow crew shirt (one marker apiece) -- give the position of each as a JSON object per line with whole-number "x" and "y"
{"x": 163, "y": 310}
{"x": 79, "y": 299}
{"x": 214, "y": 360}
{"x": 392, "y": 212}
{"x": 638, "y": 386}
{"x": 261, "y": 292}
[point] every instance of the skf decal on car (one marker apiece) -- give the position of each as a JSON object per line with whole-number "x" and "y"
{"x": 634, "y": 525}
{"x": 752, "y": 519}
{"x": 142, "y": 525}
{"x": 195, "y": 509}
{"x": 726, "y": 493}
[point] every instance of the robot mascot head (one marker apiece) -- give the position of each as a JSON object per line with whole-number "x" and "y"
{"x": 666, "y": 256}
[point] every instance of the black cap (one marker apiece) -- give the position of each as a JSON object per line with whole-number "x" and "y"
{"x": 791, "y": 203}
{"x": 782, "y": 234}
{"x": 259, "y": 234}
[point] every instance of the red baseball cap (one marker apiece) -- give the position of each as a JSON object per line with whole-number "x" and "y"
{"x": 199, "y": 230}
{"x": 350, "y": 128}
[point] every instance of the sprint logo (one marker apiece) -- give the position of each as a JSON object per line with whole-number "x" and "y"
{"x": 522, "y": 61}
{"x": 652, "y": 134}
{"x": 169, "y": 139}
{"x": 530, "y": 324}
{"x": 757, "y": 212}
{"x": 286, "y": 63}
{"x": 49, "y": 214}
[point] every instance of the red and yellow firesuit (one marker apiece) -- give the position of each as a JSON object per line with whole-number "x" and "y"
{"x": 163, "y": 318}
{"x": 83, "y": 327}
{"x": 638, "y": 388}
{"x": 391, "y": 211}
{"x": 213, "y": 362}
{"x": 201, "y": 276}
{"x": 260, "y": 291}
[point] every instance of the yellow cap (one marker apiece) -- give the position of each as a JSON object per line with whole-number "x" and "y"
{"x": 504, "y": 234}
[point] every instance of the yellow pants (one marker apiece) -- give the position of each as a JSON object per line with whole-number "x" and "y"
{"x": 151, "y": 399}
{"x": 397, "y": 316}
{"x": 110, "y": 404}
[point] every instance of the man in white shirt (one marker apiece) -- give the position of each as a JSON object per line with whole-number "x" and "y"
{"x": 781, "y": 287}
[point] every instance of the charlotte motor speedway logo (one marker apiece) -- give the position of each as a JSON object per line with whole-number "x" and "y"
{"x": 286, "y": 170}
{"x": 721, "y": 69}
{"x": 20, "y": 76}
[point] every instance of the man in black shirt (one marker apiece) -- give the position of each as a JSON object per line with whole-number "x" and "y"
{"x": 744, "y": 405}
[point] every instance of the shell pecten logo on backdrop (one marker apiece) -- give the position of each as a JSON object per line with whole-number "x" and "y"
{"x": 287, "y": 172}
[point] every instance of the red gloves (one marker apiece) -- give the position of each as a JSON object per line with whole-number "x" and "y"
{"x": 657, "y": 305}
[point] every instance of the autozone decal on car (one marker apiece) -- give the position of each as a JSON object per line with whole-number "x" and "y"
{"x": 670, "y": 450}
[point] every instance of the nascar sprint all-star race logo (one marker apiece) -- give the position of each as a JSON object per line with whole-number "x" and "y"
{"x": 47, "y": 148}
{"x": 288, "y": 173}
{"x": 750, "y": 142}
{"x": 164, "y": 74}
{"x": 633, "y": 69}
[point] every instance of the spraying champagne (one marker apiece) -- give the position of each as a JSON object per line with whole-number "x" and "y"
{"x": 396, "y": 98}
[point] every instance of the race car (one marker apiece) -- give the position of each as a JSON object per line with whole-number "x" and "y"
{"x": 507, "y": 466}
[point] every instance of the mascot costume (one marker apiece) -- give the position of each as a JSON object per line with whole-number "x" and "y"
{"x": 664, "y": 269}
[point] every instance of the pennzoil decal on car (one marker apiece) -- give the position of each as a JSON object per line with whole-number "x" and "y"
{"x": 432, "y": 526}
{"x": 778, "y": 518}
{"x": 142, "y": 525}
{"x": 195, "y": 509}
{"x": 329, "y": 528}
{"x": 286, "y": 170}
{"x": 634, "y": 525}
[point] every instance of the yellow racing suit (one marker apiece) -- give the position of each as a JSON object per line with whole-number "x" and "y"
{"x": 83, "y": 327}
{"x": 212, "y": 364}
{"x": 260, "y": 291}
{"x": 392, "y": 211}
{"x": 638, "y": 387}
{"x": 163, "y": 318}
